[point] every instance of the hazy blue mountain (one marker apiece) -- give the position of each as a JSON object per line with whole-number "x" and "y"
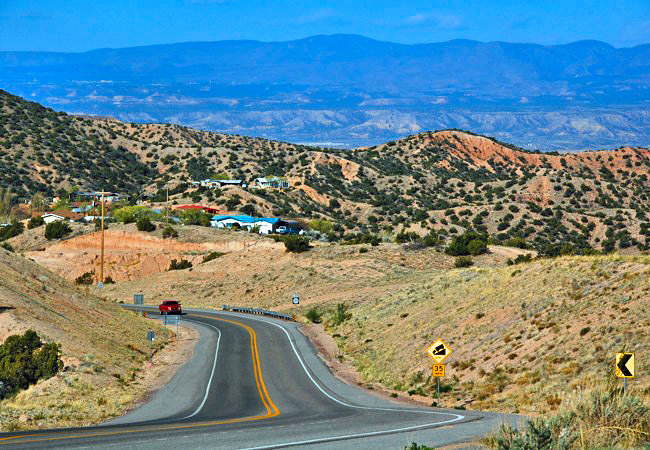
{"x": 355, "y": 90}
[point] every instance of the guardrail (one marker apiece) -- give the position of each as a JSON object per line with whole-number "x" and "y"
{"x": 257, "y": 311}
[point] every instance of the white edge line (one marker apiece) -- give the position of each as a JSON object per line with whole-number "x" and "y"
{"x": 348, "y": 436}
{"x": 357, "y": 435}
{"x": 214, "y": 366}
{"x": 331, "y": 438}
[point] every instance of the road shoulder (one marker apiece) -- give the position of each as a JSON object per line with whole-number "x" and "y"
{"x": 165, "y": 375}
{"x": 327, "y": 350}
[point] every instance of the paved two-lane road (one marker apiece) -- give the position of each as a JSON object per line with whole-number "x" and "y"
{"x": 255, "y": 382}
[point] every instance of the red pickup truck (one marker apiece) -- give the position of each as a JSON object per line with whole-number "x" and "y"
{"x": 170, "y": 307}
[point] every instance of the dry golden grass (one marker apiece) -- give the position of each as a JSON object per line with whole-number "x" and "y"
{"x": 525, "y": 338}
{"x": 104, "y": 348}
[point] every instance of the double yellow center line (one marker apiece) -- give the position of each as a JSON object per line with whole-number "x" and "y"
{"x": 271, "y": 409}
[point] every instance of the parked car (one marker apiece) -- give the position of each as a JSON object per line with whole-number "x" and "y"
{"x": 170, "y": 307}
{"x": 289, "y": 230}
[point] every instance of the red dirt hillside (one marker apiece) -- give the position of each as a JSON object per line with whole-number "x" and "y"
{"x": 480, "y": 151}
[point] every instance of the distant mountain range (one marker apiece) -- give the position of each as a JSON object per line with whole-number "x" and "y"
{"x": 351, "y": 90}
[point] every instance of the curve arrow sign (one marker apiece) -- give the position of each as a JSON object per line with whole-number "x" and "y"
{"x": 625, "y": 365}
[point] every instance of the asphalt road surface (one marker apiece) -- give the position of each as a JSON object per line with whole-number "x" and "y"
{"x": 255, "y": 382}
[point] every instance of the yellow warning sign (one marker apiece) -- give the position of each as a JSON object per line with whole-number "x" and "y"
{"x": 624, "y": 365}
{"x": 439, "y": 351}
{"x": 438, "y": 370}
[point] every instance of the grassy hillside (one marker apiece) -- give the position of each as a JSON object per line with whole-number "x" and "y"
{"x": 43, "y": 150}
{"x": 101, "y": 344}
{"x": 449, "y": 181}
{"x": 525, "y": 338}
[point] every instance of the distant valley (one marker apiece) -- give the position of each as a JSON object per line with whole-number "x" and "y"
{"x": 348, "y": 91}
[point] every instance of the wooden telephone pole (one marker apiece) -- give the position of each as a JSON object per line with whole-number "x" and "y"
{"x": 101, "y": 258}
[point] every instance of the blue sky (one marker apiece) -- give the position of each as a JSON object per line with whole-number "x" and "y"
{"x": 79, "y": 25}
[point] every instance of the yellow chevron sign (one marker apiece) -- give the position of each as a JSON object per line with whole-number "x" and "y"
{"x": 624, "y": 365}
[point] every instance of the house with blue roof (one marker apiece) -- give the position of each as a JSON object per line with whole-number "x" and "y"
{"x": 266, "y": 225}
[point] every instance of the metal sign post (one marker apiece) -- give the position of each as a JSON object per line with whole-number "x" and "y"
{"x": 624, "y": 367}
{"x": 438, "y": 372}
{"x": 439, "y": 351}
{"x": 296, "y": 302}
{"x": 151, "y": 336}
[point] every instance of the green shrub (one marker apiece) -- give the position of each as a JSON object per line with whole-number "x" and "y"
{"x": 7, "y": 246}
{"x": 463, "y": 261}
{"x": 415, "y": 446}
{"x": 363, "y": 250}
{"x": 520, "y": 259}
{"x": 196, "y": 217}
{"x": 314, "y": 315}
{"x": 180, "y": 265}
{"x": 169, "y": 232}
{"x": 603, "y": 420}
{"x": 516, "y": 242}
{"x": 322, "y": 225}
{"x": 35, "y": 222}
{"x": 431, "y": 239}
{"x": 86, "y": 279}
{"x": 248, "y": 209}
{"x": 109, "y": 280}
{"x": 361, "y": 238}
{"x": 476, "y": 247}
{"x": 296, "y": 244}
{"x": 460, "y": 245}
{"x": 341, "y": 314}
{"x": 407, "y": 236}
{"x": 144, "y": 224}
{"x": 10, "y": 231}
{"x": 24, "y": 360}
{"x": 130, "y": 214}
{"x": 57, "y": 230}
{"x": 232, "y": 203}
{"x": 211, "y": 256}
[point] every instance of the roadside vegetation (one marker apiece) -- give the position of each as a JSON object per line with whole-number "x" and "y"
{"x": 526, "y": 338}
{"x": 24, "y": 360}
{"x": 602, "y": 419}
{"x": 50, "y": 375}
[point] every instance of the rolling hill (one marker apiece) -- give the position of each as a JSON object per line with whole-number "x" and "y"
{"x": 448, "y": 181}
{"x": 102, "y": 345}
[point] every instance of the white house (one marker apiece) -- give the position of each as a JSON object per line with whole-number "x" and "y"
{"x": 209, "y": 183}
{"x": 49, "y": 217}
{"x": 270, "y": 182}
{"x": 265, "y": 225}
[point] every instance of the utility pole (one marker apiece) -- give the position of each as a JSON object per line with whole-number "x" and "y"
{"x": 101, "y": 260}
{"x": 167, "y": 206}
